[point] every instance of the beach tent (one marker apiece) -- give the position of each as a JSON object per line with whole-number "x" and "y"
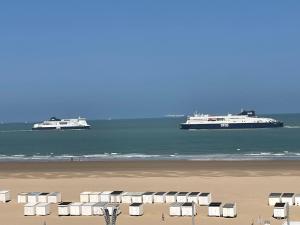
{"x": 182, "y": 197}
{"x": 43, "y": 197}
{"x": 29, "y": 209}
{"x": 4, "y": 196}
{"x": 159, "y": 197}
{"x": 98, "y": 208}
{"x": 136, "y": 209}
{"x": 137, "y": 197}
{"x": 288, "y": 198}
{"x": 280, "y": 210}
{"x": 171, "y": 196}
{"x": 87, "y": 209}
{"x": 148, "y": 197}
{"x": 33, "y": 197}
{"x": 85, "y": 196}
{"x": 274, "y": 198}
{"x": 54, "y": 197}
{"x": 204, "y": 198}
{"x": 215, "y": 209}
{"x": 194, "y": 197}
{"x": 95, "y": 197}
{"x": 22, "y": 197}
{"x": 229, "y": 210}
{"x": 175, "y": 209}
{"x": 75, "y": 208}
{"x": 105, "y": 196}
{"x": 63, "y": 209}
{"x": 188, "y": 208}
{"x": 115, "y": 196}
{"x": 42, "y": 209}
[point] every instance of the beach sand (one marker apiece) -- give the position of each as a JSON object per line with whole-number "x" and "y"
{"x": 247, "y": 183}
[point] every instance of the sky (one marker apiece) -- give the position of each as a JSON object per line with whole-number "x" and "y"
{"x": 133, "y": 58}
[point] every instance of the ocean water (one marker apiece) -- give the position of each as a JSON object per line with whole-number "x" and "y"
{"x": 158, "y": 138}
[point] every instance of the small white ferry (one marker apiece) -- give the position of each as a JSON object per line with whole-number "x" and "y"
{"x": 245, "y": 119}
{"x": 62, "y": 124}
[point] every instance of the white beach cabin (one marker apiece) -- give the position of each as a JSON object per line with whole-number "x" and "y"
{"x": 204, "y": 198}
{"x": 87, "y": 209}
{"x": 95, "y": 197}
{"x": 274, "y": 198}
{"x": 33, "y": 197}
{"x": 29, "y": 209}
{"x": 136, "y": 209}
{"x": 22, "y": 197}
{"x": 171, "y": 196}
{"x": 159, "y": 197}
{"x": 42, "y": 209}
{"x": 137, "y": 197}
{"x": 43, "y": 197}
{"x": 111, "y": 207}
{"x": 194, "y": 197}
{"x": 63, "y": 209}
{"x": 188, "y": 208}
{"x": 229, "y": 210}
{"x": 98, "y": 208}
{"x": 54, "y": 197}
{"x": 85, "y": 196}
{"x": 115, "y": 196}
{"x": 126, "y": 197}
{"x": 280, "y": 210}
{"x": 105, "y": 196}
{"x": 297, "y": 199}
{"x": 148, "y": 197}
{"x": 182, "y": 197}
{"x": 75, "y": 208}
{"x": 5, "y": 196}
{"x": 215, "y": 209}
{"x": 288, "y": 198}
{"x": 175, "y": 209}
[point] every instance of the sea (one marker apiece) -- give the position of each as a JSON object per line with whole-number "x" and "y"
{"x": 150, "y": 139}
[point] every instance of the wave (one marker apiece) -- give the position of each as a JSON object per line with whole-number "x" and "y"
{"x": 285, "y": 155}
{"x": 292, "y": 127}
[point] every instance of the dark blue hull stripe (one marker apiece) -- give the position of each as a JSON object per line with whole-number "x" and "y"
{"x": 231, "y": 126}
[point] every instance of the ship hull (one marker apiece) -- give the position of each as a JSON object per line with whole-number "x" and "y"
{"x": 62, "y": 128}
{"x": 230, "y": 126}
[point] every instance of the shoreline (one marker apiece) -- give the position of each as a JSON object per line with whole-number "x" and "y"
{"x": 153, "y": 168}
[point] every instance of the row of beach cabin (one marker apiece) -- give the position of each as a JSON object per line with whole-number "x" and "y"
{"x": 215, "y": 209}
{"x": 146, "y": 197}
{"x": 290, "y": 198}
{"x": 39, "y": 197}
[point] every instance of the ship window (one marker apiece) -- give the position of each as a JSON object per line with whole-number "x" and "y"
{"x": 63, "y": 123}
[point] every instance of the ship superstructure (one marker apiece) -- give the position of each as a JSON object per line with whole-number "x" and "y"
{"x": 62, "y": 124}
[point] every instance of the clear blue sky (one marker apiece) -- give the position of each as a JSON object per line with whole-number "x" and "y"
{"x": 138, "y": 58}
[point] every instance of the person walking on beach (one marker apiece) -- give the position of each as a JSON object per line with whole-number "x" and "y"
{"x": 162, "y": 217}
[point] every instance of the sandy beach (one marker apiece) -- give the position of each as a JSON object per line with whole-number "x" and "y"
{"x": 247, "y": 183}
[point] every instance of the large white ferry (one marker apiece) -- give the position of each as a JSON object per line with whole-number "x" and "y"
{"x": 245, "y": 119}
{"x": 62, "y": 124}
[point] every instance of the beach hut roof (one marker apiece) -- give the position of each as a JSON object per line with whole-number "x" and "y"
{"x": 194, "y": 193}
{"x": 136, "y": 204}
{"x": 54, "y": 193}
{"x": 183, "y": 193}
{"x": 279, "y": 204}
{"x": 176, "y": 204}
{"x": 187, "y": 204}
{"x": 106, "y": 192}
{"x": 112, "y": 205}
{"x": 204, "y": 194}
{"x": 288, "y": 194}
{"x": 228, "y": 205}
{"x": 116, "y": 192}
{"x": 148, "y": 193}
{"x": 215, "y": 204}
{"x": 171, "y": 193}
{"x": 160, "y": 193}
{"x": 44, "y": 193}
{"x": 65, "y": 203}
{"x": 137, "y": 193}
{"x": 100, "y": 204}
{"x": 274, "y": 194}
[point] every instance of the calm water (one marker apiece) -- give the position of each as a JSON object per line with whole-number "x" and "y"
{"x": 150, "y": 139}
